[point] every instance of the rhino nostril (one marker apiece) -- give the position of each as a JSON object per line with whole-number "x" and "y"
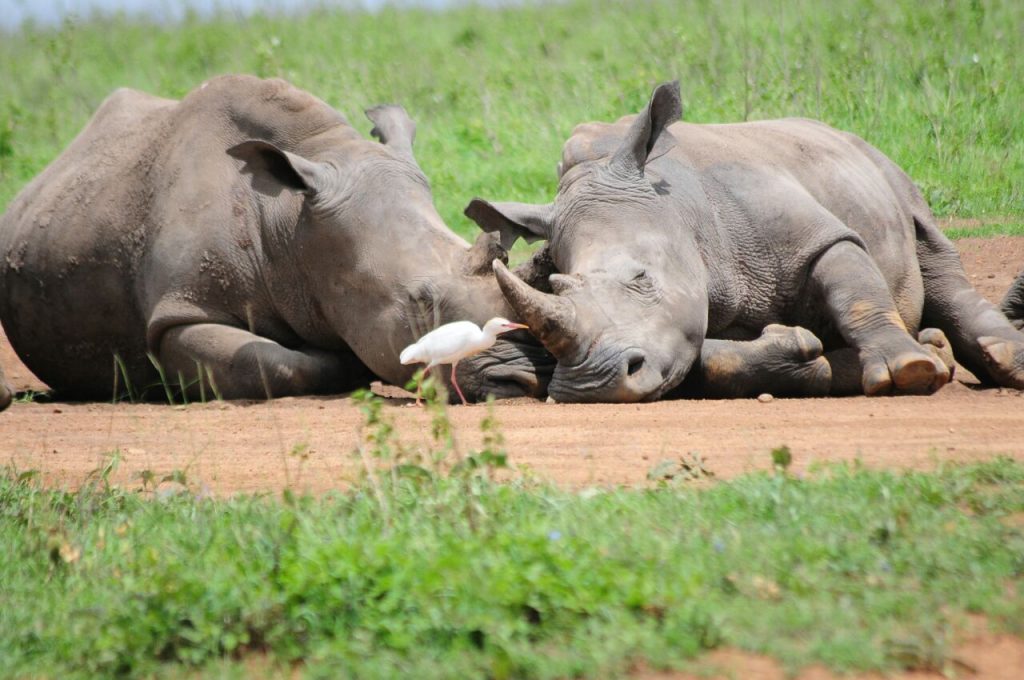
{"x": 634, "y": 365}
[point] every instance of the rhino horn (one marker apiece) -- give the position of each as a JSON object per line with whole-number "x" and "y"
{"x": 549, "y": 317}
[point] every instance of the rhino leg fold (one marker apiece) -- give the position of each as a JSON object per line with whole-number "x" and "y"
{"x": 231, "y": 363}
{"x": 862, "y": 309}
{"x": 982, "y": 337}
{"x": 784, "y": 361}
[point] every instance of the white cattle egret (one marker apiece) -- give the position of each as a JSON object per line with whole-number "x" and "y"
{"x": 453, "y": 341}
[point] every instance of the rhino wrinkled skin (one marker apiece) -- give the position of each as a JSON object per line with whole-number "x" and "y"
{"x": 727, "y": 258}
{"x": 246, "y": 235}
{"x": 1013, "y": 303}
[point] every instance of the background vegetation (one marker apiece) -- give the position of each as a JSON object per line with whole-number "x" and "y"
{"x": 495, "y": 92}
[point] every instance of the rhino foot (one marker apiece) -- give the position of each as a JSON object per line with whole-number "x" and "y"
{"x": 795, "y": 356}
{"x": 911, "y": 371}
{"x": 784, "y": 360}
{"x": 1004, "y": 360}
{"x": 935, "y": 342}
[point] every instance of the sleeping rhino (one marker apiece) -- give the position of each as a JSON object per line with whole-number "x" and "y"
{"x": 733, "y": 255}
{"x": 245, "y": 241}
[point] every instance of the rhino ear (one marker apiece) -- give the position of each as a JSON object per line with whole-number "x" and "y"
{"x": 483, "y": 252}
{"x": 512, "y": 220}
{"x": 393, "y": 127}
{"x": 664, "y": 108}
{"x": 273, "y": 168}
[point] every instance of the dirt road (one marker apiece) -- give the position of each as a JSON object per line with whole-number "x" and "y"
{"x": 230, "y": 447}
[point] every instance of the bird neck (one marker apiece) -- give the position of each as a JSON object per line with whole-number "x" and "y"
{"x": 487, "y": 339}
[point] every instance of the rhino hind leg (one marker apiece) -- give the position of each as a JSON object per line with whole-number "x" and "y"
{"x": 858, "y": 302}
{"x": 783, "y": 361}
{"x": 247, "y": 366}
{"x": 982, "y": 336}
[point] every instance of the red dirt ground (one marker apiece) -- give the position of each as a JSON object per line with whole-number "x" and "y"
{"x": 232, "y": 447}
{"x": 240, "y": 446}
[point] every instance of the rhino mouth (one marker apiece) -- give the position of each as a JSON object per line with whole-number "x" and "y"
{"x": 610, "y": 374}
{"x": 513, "y": 367}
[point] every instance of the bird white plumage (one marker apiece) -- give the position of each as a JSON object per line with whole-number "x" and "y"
{"x": 451, "y": 342}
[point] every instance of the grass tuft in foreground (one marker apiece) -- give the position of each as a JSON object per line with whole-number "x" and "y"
{"x": 428, "y": 567}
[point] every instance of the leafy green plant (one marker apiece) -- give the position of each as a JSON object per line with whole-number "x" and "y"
{"x": 850, "y": 567}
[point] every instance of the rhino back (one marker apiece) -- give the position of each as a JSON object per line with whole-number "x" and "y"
{"x": 144, "y": 217}
{"x": 794, "y": 187}
{"x": 70, "y": 246}
{"x": 777, "y": 193}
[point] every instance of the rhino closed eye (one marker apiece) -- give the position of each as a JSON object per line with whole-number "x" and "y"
{"x": 642, "y": 288}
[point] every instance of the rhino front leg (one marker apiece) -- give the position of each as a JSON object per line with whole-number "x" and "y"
{"x": 859, "y": 303}
{"x": 784, "y": 361}
{"x": 247, "y": 366}
{"x": 983, "y": 338}
{"x": 847, "y": 371}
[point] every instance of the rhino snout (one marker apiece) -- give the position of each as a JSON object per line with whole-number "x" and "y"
{"x": 630, "y": 375}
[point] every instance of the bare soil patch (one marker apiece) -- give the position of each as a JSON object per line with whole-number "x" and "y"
{"x": 982, "y": 656}
{"x": 239, "y": 446}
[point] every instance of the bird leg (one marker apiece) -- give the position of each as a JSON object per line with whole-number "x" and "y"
{"x": 456, "y": 383}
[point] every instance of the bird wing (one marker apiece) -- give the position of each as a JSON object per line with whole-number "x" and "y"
{"x": 449, "y": 342}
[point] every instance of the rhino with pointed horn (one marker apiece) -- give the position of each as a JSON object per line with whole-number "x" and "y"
{"x": 744, "y": 250}
{"x": 245, "y": 241}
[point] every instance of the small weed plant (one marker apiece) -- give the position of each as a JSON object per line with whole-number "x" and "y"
{"x": 431, "y": 566}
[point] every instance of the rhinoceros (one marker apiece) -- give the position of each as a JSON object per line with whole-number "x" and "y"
{"x": 745, "y": 249}
{"x": 6, "y": 393}
{"x": 245, "y": 241}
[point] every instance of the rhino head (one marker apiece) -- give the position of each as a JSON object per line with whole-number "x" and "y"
{"x": 378, "y": 264}
{"x": 627, "y": 317}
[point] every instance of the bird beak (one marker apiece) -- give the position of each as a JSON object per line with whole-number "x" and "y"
{"x": 516, "y": 325}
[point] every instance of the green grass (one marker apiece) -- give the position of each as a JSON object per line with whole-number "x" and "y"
{"x": 431, "y": 570}
{"x": 987, "y": 230}
{"x": 496, "y": 91}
